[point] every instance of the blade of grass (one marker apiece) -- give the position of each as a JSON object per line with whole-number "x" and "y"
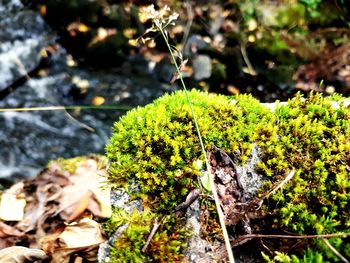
{"x": 211, "y": 177}
{"x": 53, "y": 108}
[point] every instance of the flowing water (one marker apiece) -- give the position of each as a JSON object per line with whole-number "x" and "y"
{"x": 28, "y": 140}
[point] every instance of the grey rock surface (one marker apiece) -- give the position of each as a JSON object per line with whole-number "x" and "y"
{"x": 23, "y": 34}
{"x": 30, "y": 139}
{"x": 198, "y": 249}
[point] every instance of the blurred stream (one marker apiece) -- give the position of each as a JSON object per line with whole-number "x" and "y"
{"x": 35, "y": 72}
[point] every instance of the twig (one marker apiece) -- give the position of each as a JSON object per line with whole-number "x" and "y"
{"x": 190, "y": 16}
{"x": 191, "y": 197}
{"x": 151, "y": 235}
{"x": 298, "y": 236}
{"x": 280, "y": 185}
{"x": 336, "y": 252}
{"x": 240, "y": 239}
{"x": 247, "y": 61}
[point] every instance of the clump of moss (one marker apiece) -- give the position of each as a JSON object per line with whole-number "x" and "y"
{"x": 157, "y": 145}
{"x": 309, "y": 257}
{"x": 71, "y": 164}
{"x": 128, "y": 244}
{"x": 312, "y": 137}
{"x": 135, "y": 227}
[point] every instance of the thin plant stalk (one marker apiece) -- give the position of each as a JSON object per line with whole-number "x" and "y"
{"x": 211, "y": 177}
{"x": 55, "y": 108}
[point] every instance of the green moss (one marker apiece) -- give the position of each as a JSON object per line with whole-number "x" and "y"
{"x": 313, "y": 138}
{"x": 165, "y": 246}
{"x": 157, "y": 145}
{"x": 157, "y": 148}
{"x": 71, "y": 164}
{"x": 309, "y": 257}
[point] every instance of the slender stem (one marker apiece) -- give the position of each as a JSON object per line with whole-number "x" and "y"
{"x": 343, "y": 235}
{"x": 336, "y": 252}
{"x": 242, "y": 239}
{"x": 82, "y": 107}
{"x": 187, "y": 97}
{"x": 247, "y": 61}
{"x": 211, "y": 177}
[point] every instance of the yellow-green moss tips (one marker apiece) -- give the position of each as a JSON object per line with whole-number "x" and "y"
{"x": 157, "y": 149}
{"x": 314, "y": 138}
{"x": 134, "y": 228}
{"x": 157, "y": 145}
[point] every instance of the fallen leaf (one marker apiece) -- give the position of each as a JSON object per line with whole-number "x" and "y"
{"x": 81, "y": 206}
{"x": 83, "y": 237}
{"x": 33, "y": 212}
{"x": 64, "y": 190}
{"x": 49, "y": 242}
{"x": 87, "y": 178}
{"x": 83, "y": 234}
{"x": 6, "y": 231}
{"x": 12, "y": 207}
{"x": 18, "y": 254}
{"x": 10, "y": 236}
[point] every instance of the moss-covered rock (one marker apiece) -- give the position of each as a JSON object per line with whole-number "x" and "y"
{"x": 158, "y": 145}
{"x": 311, "y": 136}
{"x": 156, "y": 149}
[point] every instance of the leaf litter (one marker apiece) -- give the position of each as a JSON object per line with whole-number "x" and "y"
{"x": 55, "y": 217}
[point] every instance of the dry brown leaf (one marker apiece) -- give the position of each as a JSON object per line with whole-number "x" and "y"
{"x": 12, "y": 207}
{"x": 87, "y": 178}
{"x": 43, "y": 196}
{"x": 78, "y": 260}
{"x": 33, "y": 212}
{"x": 18, "y": 254}
{"x": 83, "y": 236}
{"x": 81, "y": 206}
{"x": 6, "y": 231}
{"x": 49, "y": 242}
{"x": 43, "y": 227}
{"x": 9, "y": 235}
{"x": 96, "y": 208}
{"x": 12, "y": 203}
{"x": 61, "y": 256}
{"x": 70, "y": 255}
{"x": 52, "y": 174}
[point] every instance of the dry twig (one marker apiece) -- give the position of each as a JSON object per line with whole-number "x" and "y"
{"x": 336, "y": 252}
{"x": 274, "y": 190}
{"x": 242, "y": 239}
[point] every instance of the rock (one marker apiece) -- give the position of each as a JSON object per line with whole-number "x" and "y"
{"x": 202, "y": 67}
{"x": 276, "y": 169}
{"x": 23, "y": 35}
{"x": 30, "y": 139}
{"x": 198, "y": 249}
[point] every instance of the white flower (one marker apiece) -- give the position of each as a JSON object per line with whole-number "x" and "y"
{"x": 161, "y": 18}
